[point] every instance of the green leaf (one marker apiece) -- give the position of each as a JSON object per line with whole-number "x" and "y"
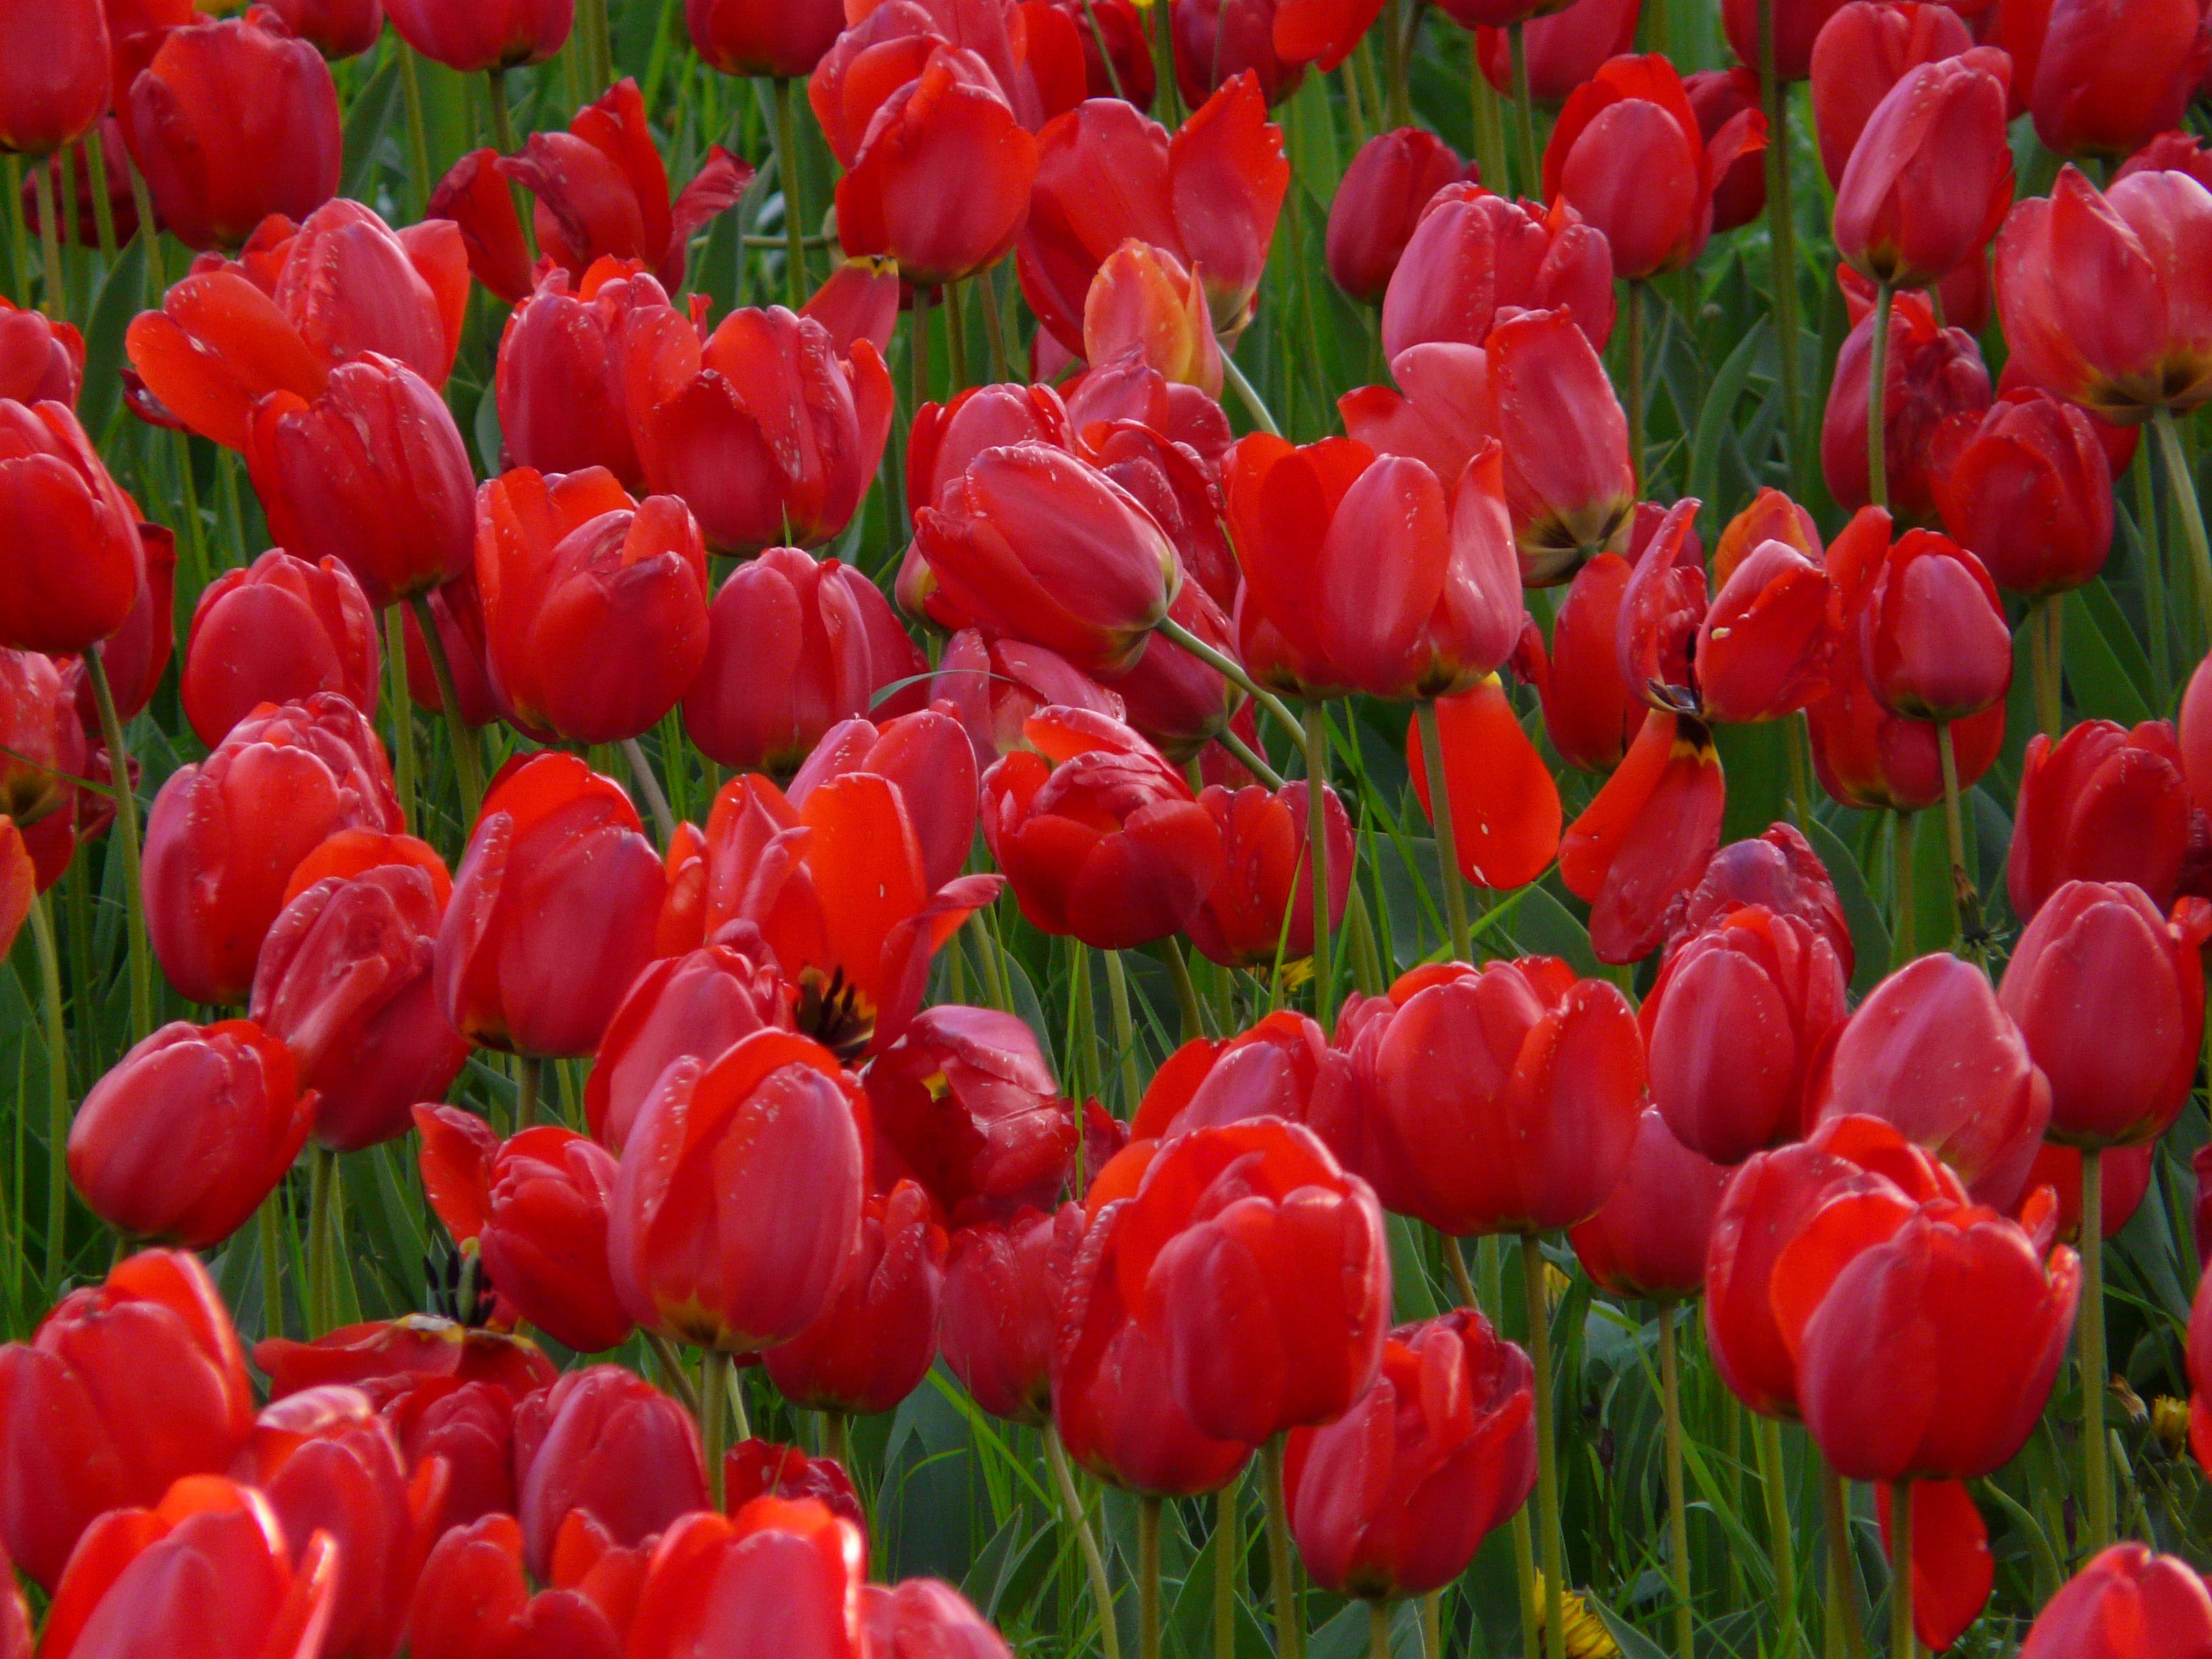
{"x": 120, "y": 296}
{"x": 365, "y": 123}
{"x": 2094, "y": 667}
{"x": 1720, "y": 405}
{"x": 1309, "y": 136}
{"x": 1870, "y": 933}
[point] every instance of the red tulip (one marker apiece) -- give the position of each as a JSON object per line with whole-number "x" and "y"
{"x": 79, "y": 564}
{"x": 1209, "y": 194}
{"x": 56, "y": 87}
{"x": 1952, "y": 1571}
{"x": 1663, "y": 608}
{"x": 746, "y": 38}
{"x": 1263, "y": 905}
{"x": 1394, "y": 1497}
{"x": 2107, "y": 76}
{"x": 1144, "y": 306}
{"x": 233, "y": 121}
{"x": 1763, "y": 649}
{"x": 2027, "y": 488}
{"x": 1001, "y": 1309}
{"x": 41, "y": 358}
{"x": 2126, "y": 1604}
{"x": 561, "y": 397}
{"x": 2198, "y": 1356}
{"x": 2103, "y": 804}
{"x": 2126, "y": 1173}
{"x": 859, "y": 300}
{"x": 278, "y": 631}
{"x": 1589, "y": 713}
{"x": 1650, "y": 1237}
{"x": 2196, "y": 735}
{"x": 1100, "y": 836}
{"x": 1797, "y": 25}
{"x": 1865, "y": 48}
{"x": 1627, "y": 154}
{"x": 1771, "y": 516}
{"x": 2170, "y": 152}
{"x": 1565, "y": 47}
{"x": 81, "y": 1432}
{"x": 1646, "y": 836}
{"x": 210, "y": 1559}
{"x": 42, "y": 746}
{"x": 470, "y": 1427}
{"x": 1778, "y": 871}
{"x": 2100, "y": 296}
{"x": 1504, "y": 806}
{"x": 1931, "y": 374}
{"x": 1217, "y": 40}
{"x": 114, "y": 182}
{"x": 477, "y": 200}
{"x": 1717, "y": 97}
{"x": 1503, "y": 1100}
{"x": 386, "y": 1358}
{"x": 473, "y": 1602}
{"x": 1168, "y": 463}
{"x": 1929, "y": 177}
{"x": 604, "y": 1441}
{"x": 926, "y": 1618}
{"x": 1474, "y": 255}
{"x": 873, "y": 1344}
{"x": 456, "y": 611}
{"x": 602, "y": 190}
{"x": 1868, "y": 757}
{"x": 594, "y": 606}
{"x": 740, "y": 1198}
{"x": 1933, "y": 1051}
{"x": 919, "y": 753}
{"x": 335, "y": 28}
{"x": 765, "y": 432}
{"x": 945, "y": 438}
{"x": 693, "y": 1006}
{"x": 225, "y": 836}
{"x": 782, "y": 1577}
{"x": 1933, "y": 640}
{"x": 995, "y": 685}
{"x": 1117, "y": 53}
{"x": 475, "y": 35}
{"x": 1378, "y": 203}
{"x": 759, "y": 1468}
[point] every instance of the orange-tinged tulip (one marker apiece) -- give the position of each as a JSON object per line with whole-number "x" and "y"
{"x": 783, "y": 1576}
{"x": 1504, "y": 806}
{"x": 1646, "y": 836}
{"x": 1144, "y": 304}
{"x": 919, "y": 753}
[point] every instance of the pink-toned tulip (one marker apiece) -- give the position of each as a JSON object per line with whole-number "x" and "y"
{"x": 2127, "y": 1603}
{"x": 1474, "y": 255}
{"x": 1931, "y": 374}
{"x": 1650, "y": 1238}
{"x": 1383, "y": 197}
{"x": 474, "y": 36}
{"x": 1862, "y": 50}
{"x": 926, "y": 1618}
{"x": 604, "y": 1441}
{"x": 2026, "y": 487}
{"x": 278, "y": 631}
{"x": 1931, "y": 175}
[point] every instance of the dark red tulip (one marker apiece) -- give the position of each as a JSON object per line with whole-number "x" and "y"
{"x": 335, "y": 28}
{"x": 1100, "y": 838}
{"x": 1933, "y": 640}
{"x": 1380, "y": 201}
{"x": 1778, "y": 870}
{"x": 114, "y": 183}
{"x": 1504, "y": 805}
{"x": 2126, "y": 1604}
{"x": 760, "y": 1469}
{"x": 2107, "y": 76}
{"x": 1117, "y": 51}
{"x": 604, "y": 1441}
{"x": 1394, "y": 1497}
{"x": 1718, "y": 96}
{"x": 2027, "y": 488}
{"x": 1646, "y": 836}
{"x": 278, "y": 631}
{"x": 225, "y": 836}
{"x": 1649, "y": 1239}
{"x": 41, "y": 358}
{"x": 387, "y": 1357}
{"x": 1932, "y": 1051}
{"x": 2102, "y": 804}
{"x": 1263, "y": 905}
{"x": 81, "y": 1432}
{"x": 1217, "y": 40}
{"x": 473, "y": 1602}
{"x": 1000, "y": 1314}
{"x": 1797, "y": 25}
{"x": 769, "y": 435}
{"x": 740, "y": 1198}
{"x": 781, "y": 1576}
{"x": 1661, "y": 610}
{"x": 1564, "y": 47}
{"x": 475, "y": 35}
{"x": 747, "y": 38}
{"x": 2126, "y": 1180}
{"x": 372, "y": 473}
{"x": 232, "y": 121}
{"x": 56, "y": 87}
{"x": 2099, "y": 955}
{"x": 877, "y": 1339}
{"x": 79, "y": 564}
{"x": 2134, "y": 337}
{"x": 602, "y": 190}
{"x": 1474, "y": 255}
{"x": 1932, "y": 374}
{"x": 562, "y": 402}
{"x": 1862, "y": 50}
{"x": 477, "y": 201}
{"x": 696, "y": 1004}
{"x": 470, "y": 1427}
{"x": 456, "y": 611}
{"x": 1321, "y": 32}
{"x": 1503, "y": 1100}
{"x": 1929, "y": 177}
{"x": 926, "y": 1618}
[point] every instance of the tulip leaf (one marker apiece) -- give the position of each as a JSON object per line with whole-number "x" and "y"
{"x": 1755, "y": 761}
{"x": 120, "y": 296}
{"x": 1715, "y": 418}
{"x": 1309, "y": 137}
{"x": 1870, "y": 933}
{"x": 2112, "y": 626}
{"x": 365, "y": 123}
{"x": 489, "y": 442}
{"x": 2094, "y": 667}
{"x": 1633, "y": 1643}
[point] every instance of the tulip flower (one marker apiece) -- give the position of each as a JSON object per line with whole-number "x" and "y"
{"x": 1932, "y": 637}
{"x": 210, "y": 1558}
{"x": 1717, "y": 97}
{"x": 41, "y": 358}
{"x": 468, "y": 1427}
{"x": 749, "y": 37}
{"x": 859, "y": 300}
{"x": 1100, "y": 838}
{"x": 2127, "y": 1603}
{"x": 1763, "y": 649}
{"x": 2104, "y": 79}
{"x": 1263, "y": 905}
{"x": 232, "y": 1090}
{"x": 760, "y": 1468}
{"x": 2169, "y": 152}
{"x": 385, "y": 1358}
{"x": 81, "y": 1432}
{"x": 1865, "y": 48}
{"x": 921, "y": 754}
{"x": 562, "y": 406}
{"x": 877, "y": 1339}
{"x": 1663, "y": 608}
{"x": 1394, "y": 1497}
{"x": 1000, "y": 1309}
{"x": 1627, "y": 155}
{"x": 2103, "y": 804}
{"x": 1589, "y": 713}
{"x": 477, "y": 200}
{"x": 2195, "y": 735}
{"x": 1179, "y": 703}
{"x": 1215, "y": 41}
{"x": 473, "y": 36}
{"x": 965, "y": 1104}
{"x": 1778, "y": 870}
{"x": 457, "y": 612}
{"x": 774, "y": 1118}
{"x": 794, "y": 645}
{"x": 1865, "y": 757}
{"x": 995, "y": 685}
{"x": 1646, "y": 836}
{"x": 1734, "y": 1024}
{"x": 1144, "y": 306}
{"x": 604, "y": 1441}
{"x": 335, "y": 28}
{"x": 56, "y": 87}
{"x": 947, "y": 437}
{"x": 781, "y": 1576}
{"x": 1797, "y": 25}
{"x": 1209, "y": 194}
{"x": 1506, "y": 812}
{"x": 2132, "y": 341}
{"x": 2098, "y": 957}
{"x": 1931, "y": 374}
{"x": 473, "y": 1602}
{"x": 2124, "y": 1180}
{"x": 42, "y": 742}
{"x": 1933, "y": 1051}
{"x": 766, "y": 432}
{"x": 278, "y": 631}
{"x": 925, "y": 1618}
{"x": 1930, "y": 178}
{"x": 1650, "y": 1237}
{"x": 225, "y": 836}
{"x": 232, "y": 121}
{"x": 1381, "y": 200}
{"x": 2027, "y": 487}
{"x": 694, "y": 1006}
{"x": 1474, "y": 255}
{"x": 1564, "y": 47}
{"x": 1952, "y": 1569}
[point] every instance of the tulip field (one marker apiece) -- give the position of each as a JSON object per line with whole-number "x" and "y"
{"x": 1105, "y": 828}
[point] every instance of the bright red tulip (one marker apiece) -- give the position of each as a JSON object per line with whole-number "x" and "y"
{"x": 1589, "y": 713}
{"x": 278, "y": 631}
{"x": 696, "y": 1005}
{"x": 2026, "y": 487}
{"x": 921, "y": 754}
{"x": 473, "y": 1602}
{"x": 746, "y": 38}
{"x": 473, "y": 36}
{"x": 1650, "y": 1238}
{"x": 926, "y": 1618}
{"x": 1473, "y": 256}
{"x": 769, "y": 435}
{"x": 782, "y": 1577}
{"x": 232, "y": 121}
{"x": 41, "y": 358}
{"x": 2108, "y": 75}
{"x": 81, "y": 1432}
{"x": 1380, "y": 201}
{"x": 1504, "y": 805}
{"x": 1263, "y": 905}
{"x": 477, "y": 200}
{"x": 1763, "y": 649}
{"x": 604, "y": 1441}
{"x": 1779, "y": 870}
{"x": 1933, "y": 640}
{"x": 2125, "y": 1180}
{"x": 1000, "y": 1312}
{"x": 2103, "y": 804}
{"x": 78, "y": 565}
{"x": 1646, "y": 836}
{"x": 859, "y": 300}
{"x": 1663, "y": 608}
{"x": 1862, "y": 50}
{"x": 2126, "y": 1604}
{"x": 1932, "y": 374}
{"x": 225, "y": 836}
{"x": 1930, "y": 178}
{"x": 995, "y": 685}
{"x": 1797, "y": 25}
{"x": 56, "y": 87}
{"x": 470, "y": 1427}
{"x": 877, "y": 1339}
{"x": 1952, "y": 1571}
{"x": 1564, "y": 47}
{"x": 562, "y": 402}
{"x": 760, "y": 1468}
{"x": 386, "y": 1358}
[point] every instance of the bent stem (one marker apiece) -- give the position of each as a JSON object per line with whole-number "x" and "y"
{"x": 1901, "y": 1571}
{"x": 1290, "y": 1631}
{"x": 649, "y": 786}
{"x": 1232, "y": 671}
{"x": 1248, "y": 396}
{"x": 1779, "y": 1540}
{"x": 1086, "y": 1542}
{"x": 1547, "y": 1460}
{"x": 1678, "y": 1503}
{"x": 57, "y": 1088}
{"x": 1877, "y": 398}
{"x": 1440, "y": 815}
{"x": 126, "y": 829}
{"x": 2183, "y": 490}
{"x": 1316, "y": 735}
{"x": 1148, "y": 1577}
{"x": 794, "y": 218}
{"x": 1843, "y": 1587}
{"x": 2092, "y": 1326}
{"x": 1524, "y": 117}
{"x": 467, "y": 761}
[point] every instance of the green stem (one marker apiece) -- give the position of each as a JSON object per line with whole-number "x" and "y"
{"x": 2054, "y": 651}
{"x": 1801, "y": 768}
{"x": 1524, "y": 114}
{"x": 1954, "y": 830}
{"x": 269, "y": 1242}
{"x": 1455, "y": 1265}
{"x": 2183, "y": 489}
{"x": 418, "y": 138}
{"x": 58, "y": 1090}
{"x": 1901, "y": 929}
{"x": 1489, "y": 123}
{"x": 50, "y": 238}
{"x": 468, "y": 762}
{"x": 403, "y": 718}
{"x": 995, "y": 326}
{"x": 1125, "y": 1032}
{"x": 956, "y": 338}
{"x": 2092, "y": 1326}
{"x": 1290, "y": 1628}
{"x": 918, "y": 350}
{"x": 126, "y": 840}
{"x": 1842, "y": 1578}
{"x": 1432, "y": 1625}
{"x": 1148, "y": 1577}
{"x": 1228, "y": 1565}
{"x": 2154, "y": 575}
{"x": 1773, "y": 1475}
{"x": 1901, "y": 1571}
{"x": 528, "y": 1073}
{"x": 103, "y": 209}
{"x": 1086, "y": 1542}
{"x": 1250, "y": 397}
{"x": 322, "y": 1173}
{"x": 1192, "y": 1019}
{"x": 1378, "y": 1630}
{"x": 678, "y": 1379}
{"x": 1255, "y": 763}
{"x": 1440, "y": 815}
{"x": 1678, "y": 1503}
{"x": 142, "y": 200}
{"x": 1548, "y": 1460}
{"x": 794, "y": 216}
{"x": 1878, "y": 399}
{"x": 19, "y": 229}
{"x": 599, "y": 40}
{"x": 713, "y": 1426}
{"x": 640, "y": 768}
{"x": 1232, "y": 671}
{"x": 1316, "y": 735}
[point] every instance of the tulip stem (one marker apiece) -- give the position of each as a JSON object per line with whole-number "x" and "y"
{"x": 598, "y": 46}
{"x": 1965, "y": 903}
{"x": 1781, "y": 224}
{"x": 1636, "y": 438}
{"x": 1289, "y": 1630}
{"x": 527, "y": 1070}
{"x": 1378, "y": 1630}
{"x": 503, "y": 118}
{"x": 1228, "y": 1564}
{"x": 671, "y": 1370}
{"x": 468, "y": 765}
{"x": 1490, "y": 1270}
{"x": 2091, "y": 1325}
{"x": 322, "y": 1173}
{"x": 1148, "y": 1577}
{"x": 1774, "y": 1476}
{"x": 1843, "y": 1615}
{"x": 1432, "y": 1625}
{"x": 50, "y": 238}
{"x": 648, "y": 785}
{"x": 1125, "y": 1032}
{"x": 2154, "y": 577}
{"x": 418, "y": 140}
{"x": 2183, "y": 488}
{"x": 1678, "y": 1502}
{"x": 714, "y": 1426}
{"x": 1902, "y": 906}
{"x": 995, "y": 326}
{"x": 1317, "y": 860}
{"x": 57, "y": 1088}
{"x": 1524, "y": 112}
{"x": 126, "y": 830}
{"x": 1086, "y": 1542}
{"x": 1901, "y": 1571}
{"x": 1192, "y": 1019}
{"x": 794, "y": 216}
{"x": 1440, "y": 815}
{"x": 402, "y": 716}
{"x": 1233, "y": 671}
{"x": 1455, "y": 1265}
{"x": 1248, "y": 396}
{"x": 1878, "y": 398}
{"x": 1255, "y": 763}
{"x": 1489, "y": 123}
{"x": 1547, "y": 1462}
{"x": 269, "y": 1240}
{"x": 2043, "y": 619}
{"x": 19, "y": 228}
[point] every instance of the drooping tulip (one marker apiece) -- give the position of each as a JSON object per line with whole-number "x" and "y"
{"x": 873, "y": 1344}
{"x": 1505, "y": 809}
{"x": 77, "y": 563}
{"x": 696, "y": 1004}
{"x": 2127, "y": 1603}
{"x": 1381, "y": 200}
{"x": 474, "y": 36}
{"x": 2026, "y": 487}
{"x": 1474, "y": 255}
{"x": 606, "y": 1441}
{"x": 2102, "y": 804}
{"x": 1001, "y": 1307}
{"x": 278, "y": 631}
{"x": 1645, "y": 836}
{"x": 1930, "y": 178}
{"x": 1649, "y": 1239}
{"x": 1931, "y": 374}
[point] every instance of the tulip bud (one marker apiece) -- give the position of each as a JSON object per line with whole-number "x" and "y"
{"x": 2103, "y": 804}
{"x": 604, "y": 1441}
{"x": 2107, "y": 77}
{"x": 1864, "y": 50}
{"x": 561, "y": 397}
{"x": 41, "y": 358}
{"x": 1216, "y": 39}
{"x": 1649, "y": 1239}
{"x": 278, "y": 631}
{"x": 474, "y": 36}
{"x": 873, "y": 1344}
{"x": 58, "y": 89}
{"x": 1380, "y": 201}
{"x": 77, "y": 564}
{"x": 1000, "y": 1313}
{"x": 1796, "y": 28}
{"x": 1564, "y": 47}
{"x": 1930, "y": 176}
{"x": 1262, "y": 907}
{"x": 1474, "y": 255}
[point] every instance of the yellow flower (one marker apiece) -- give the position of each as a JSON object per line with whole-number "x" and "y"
{"x": 1587, "y": 1635}
{"x": 2169, "y": 1421}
